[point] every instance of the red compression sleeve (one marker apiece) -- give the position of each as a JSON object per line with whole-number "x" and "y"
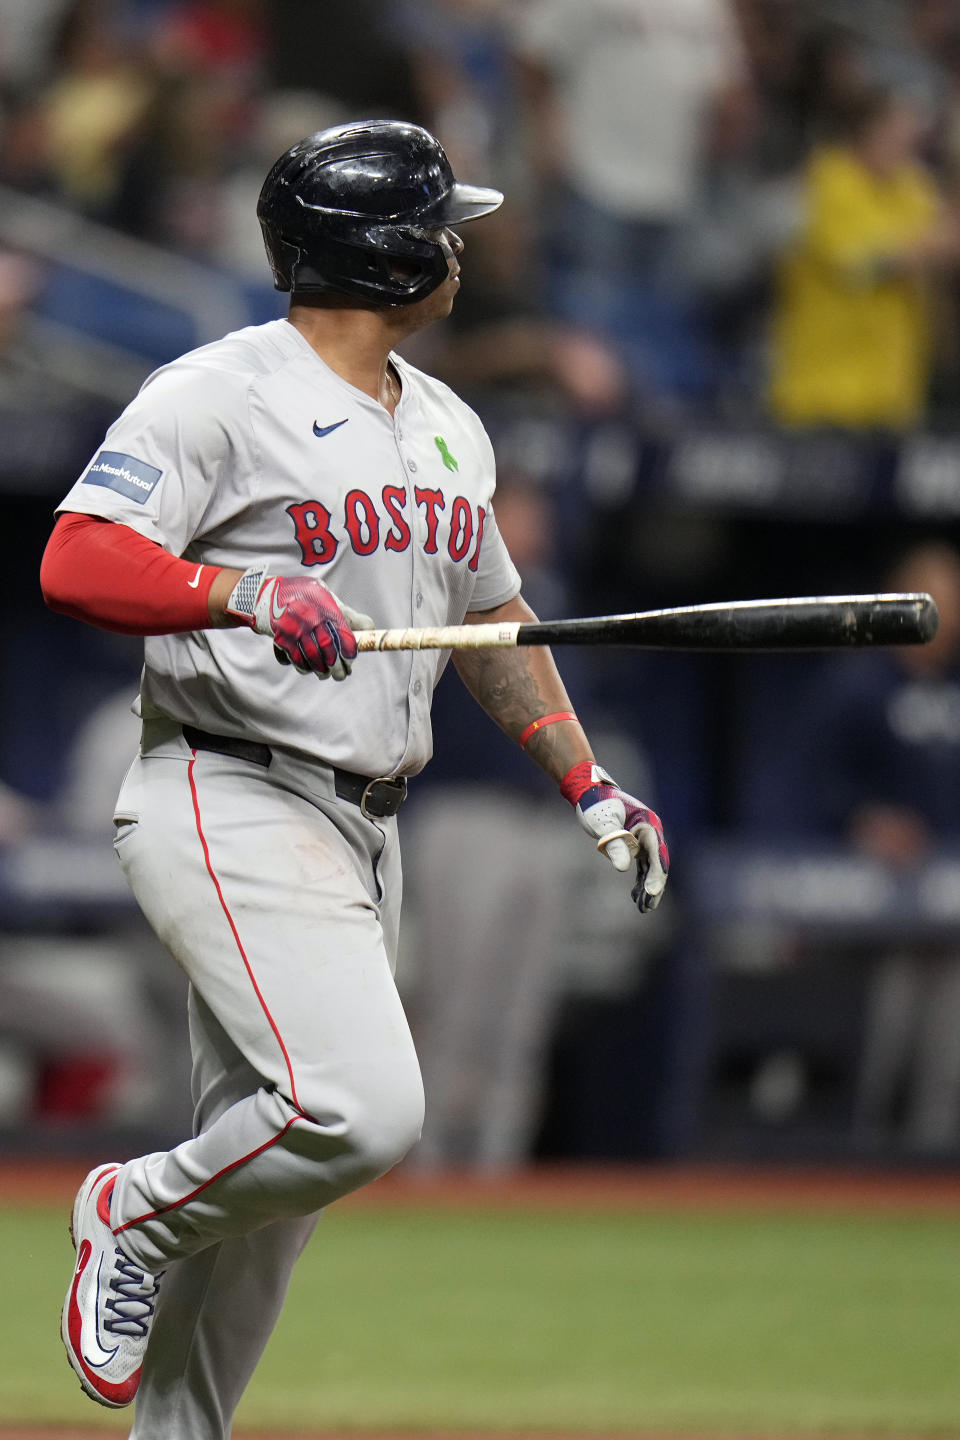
{"x": 111, "y": 576}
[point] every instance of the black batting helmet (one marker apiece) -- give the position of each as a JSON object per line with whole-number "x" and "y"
{"x": 356, "y": 210}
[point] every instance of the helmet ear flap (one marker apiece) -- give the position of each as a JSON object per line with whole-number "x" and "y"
{"x": 395, "y": 271}
{"x": 282, "y": 255}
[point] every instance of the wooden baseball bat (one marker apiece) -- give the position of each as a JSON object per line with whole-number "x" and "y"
{"x": 814, "y": 622}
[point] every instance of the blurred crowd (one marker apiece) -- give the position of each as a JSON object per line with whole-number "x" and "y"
{"x": 716, "y": 205}
{"x": 740, "y": 213}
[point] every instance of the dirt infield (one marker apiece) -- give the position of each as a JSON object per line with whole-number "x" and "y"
{"x": 76, "y": 1433}
{"x": 605, "y": 1188}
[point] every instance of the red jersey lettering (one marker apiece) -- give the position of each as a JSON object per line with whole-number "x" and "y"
{"x": 364, "y": 522}
{"x": 475, "y": 557}
{"x": 461, "y": 528}
{"x": 311, "y": 521}
{"x": 363, "y": 528}
{"x": 398, "y": 536}
{"x": 433, "y": 502}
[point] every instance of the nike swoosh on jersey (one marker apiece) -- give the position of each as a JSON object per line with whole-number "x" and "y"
{"x": 196, "y": 579}
{"x": 321, "y": 430}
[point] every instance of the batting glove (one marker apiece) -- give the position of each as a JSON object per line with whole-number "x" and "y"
{"x": 310, "y": 628}
{"x": 624, "y": 829}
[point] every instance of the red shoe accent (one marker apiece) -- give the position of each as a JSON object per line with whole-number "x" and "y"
{"x": 103, "y": 1202}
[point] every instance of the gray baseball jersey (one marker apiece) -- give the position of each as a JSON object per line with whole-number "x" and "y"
{"x": 252, "y": 449}
{"x": 279, "y": 899}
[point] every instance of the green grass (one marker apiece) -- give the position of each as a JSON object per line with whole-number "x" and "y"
{"x": 712, "y": 1322}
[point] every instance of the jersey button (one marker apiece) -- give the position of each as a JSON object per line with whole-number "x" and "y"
{"x": 417, "y": 686}
{"x": 419, "y": 598}
{"x": 412, "y": 466}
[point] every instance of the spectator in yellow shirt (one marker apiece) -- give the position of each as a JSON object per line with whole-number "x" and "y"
{"x": 851, "y": 334}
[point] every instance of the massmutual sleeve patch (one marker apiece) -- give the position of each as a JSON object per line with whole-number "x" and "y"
{"x": 125, "y": 474}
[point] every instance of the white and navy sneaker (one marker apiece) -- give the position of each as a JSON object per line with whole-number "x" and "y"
{"x": 109, "y": 1307}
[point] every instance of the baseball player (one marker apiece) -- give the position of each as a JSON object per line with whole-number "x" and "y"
{"x": 259, "y": 501}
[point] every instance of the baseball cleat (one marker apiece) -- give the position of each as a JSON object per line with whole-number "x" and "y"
{"x": 109, "y": 1307}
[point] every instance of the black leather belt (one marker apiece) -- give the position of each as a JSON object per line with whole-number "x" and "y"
{"x": 376, "y": 798}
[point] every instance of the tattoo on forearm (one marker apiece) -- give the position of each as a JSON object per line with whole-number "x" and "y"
{"x": 515, "y": 687}
{"x": 510, "y": 693}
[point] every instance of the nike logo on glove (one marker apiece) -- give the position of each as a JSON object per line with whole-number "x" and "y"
{"x": 321, "y": 430}
{"x": 196, "y": 579}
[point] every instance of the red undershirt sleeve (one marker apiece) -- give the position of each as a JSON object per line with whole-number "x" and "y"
{"x": 109, "y": 575}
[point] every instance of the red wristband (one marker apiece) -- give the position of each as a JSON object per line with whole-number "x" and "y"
{"x": 536, "y": 725}
{"x": 581, "y": 778}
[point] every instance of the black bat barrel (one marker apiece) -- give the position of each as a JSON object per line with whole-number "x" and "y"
{"x": 816, "y": 623}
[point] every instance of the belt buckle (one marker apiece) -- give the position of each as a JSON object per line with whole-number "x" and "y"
{"x": 399, "y": 782}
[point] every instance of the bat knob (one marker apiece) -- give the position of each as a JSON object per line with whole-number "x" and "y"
{"x": 629, "y": 839}
{"x": 928, "y": 618}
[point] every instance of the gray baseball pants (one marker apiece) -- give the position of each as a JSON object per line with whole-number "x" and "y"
{"x": 281, "y": 903}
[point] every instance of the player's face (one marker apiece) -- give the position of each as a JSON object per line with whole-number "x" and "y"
{"x": 439, "y": 302}
{"x": 452, "y": 247}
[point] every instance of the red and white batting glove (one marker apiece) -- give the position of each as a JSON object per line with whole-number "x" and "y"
{"x": 624, "y": 829}
{"x": 310, "y": 628}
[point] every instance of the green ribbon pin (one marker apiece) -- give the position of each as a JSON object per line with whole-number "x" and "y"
{"x": 445, "y": 455}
